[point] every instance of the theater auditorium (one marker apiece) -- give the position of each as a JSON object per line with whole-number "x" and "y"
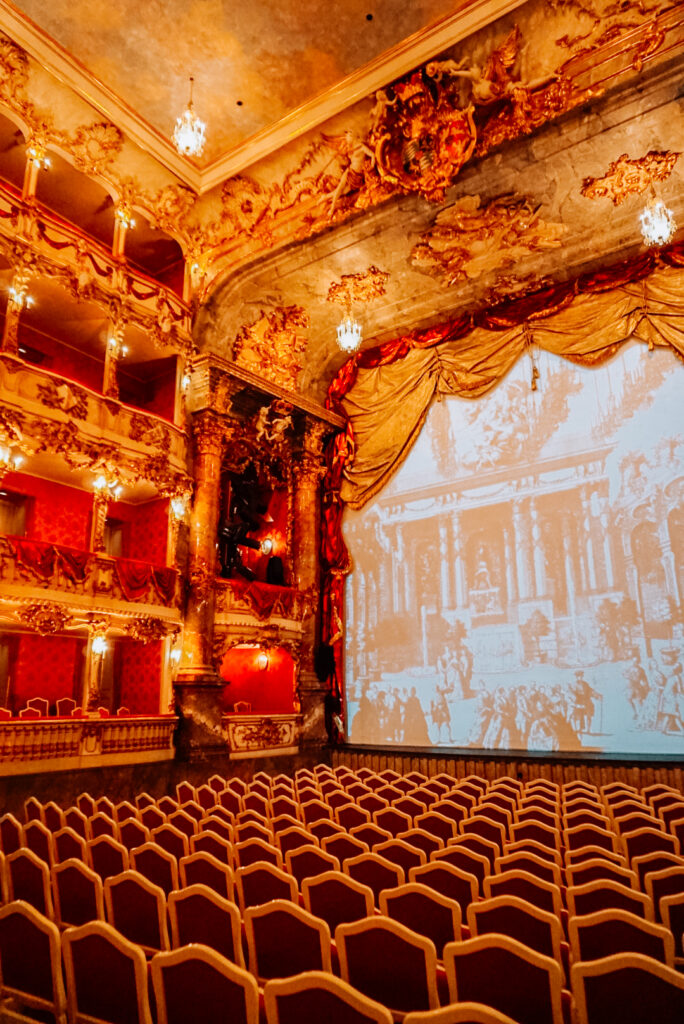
{"x": 342, "y": 512}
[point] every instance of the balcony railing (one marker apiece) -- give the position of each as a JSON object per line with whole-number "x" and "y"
{"x": 58, "y": 744}
{"x": 30, "y": 389}
{"x": 92, "y": 262}
{"x": 262, "y": 735}
{"x": 51, "y": 567}
{"x": 260, "y": 600}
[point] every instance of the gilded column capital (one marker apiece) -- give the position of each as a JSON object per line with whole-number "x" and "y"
{"x": 310, "y": 468}
{"x": 210, "y": 434}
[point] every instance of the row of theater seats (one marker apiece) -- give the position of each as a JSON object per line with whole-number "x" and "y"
{"x": 65, "y": 707}
{"x": 232, "y": 840}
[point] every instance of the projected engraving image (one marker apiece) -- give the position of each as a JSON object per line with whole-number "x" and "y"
{"x": 518, "y": 584}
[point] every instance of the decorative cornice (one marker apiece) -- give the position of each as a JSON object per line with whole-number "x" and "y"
{"x": 417, "y": 48}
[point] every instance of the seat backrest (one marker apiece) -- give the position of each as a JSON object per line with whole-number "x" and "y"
{"x": 28, "y": 879}
{"x": 172, "y": 840}
{"x": 672, "y": 910}
{"x": 132, "y": 833}
{"x": 283, "y": 939}
{"x": 11, "y": 834}
{"x": 76, "y": 820}
{"x": 389, "y": 963}
{"x": 528, "y": 985}
{"x": 204, "y": 869}
{"x": 158, "y": 866}
{"x": 77, "y": 893}
{"x": 527, "y": 887}
{"x": 260, "y": 882}
{"x": 423, "y": 911}
{"x": 68, "y": 844}
{"x": 343, "y": 846}
{"x": 336, "y": 898}
{"x": 593, "y": 936}
{"x": 309, "y": 861}
{"x": 316, "y": 996}
{"x": 598, "y": 867}
{"x": 374, "y": 871}
{"x": 106, "y": 976}
{"x": 424, "y": 841}
{"x": 667, "y": 882}
{"x": 631, "y": 982}
{"x": 39, "y": 839}
{"x": 529, "y": 862}
{"x": 53, "y": 816}
{"x": 252, "y": 850}
{"x": 509, "y": 915}
{"x": 107, "y": 857}
{"x": 466, "y": 859}
{"x": 212, "y": 842}
{"x": 402, "y": 853}
{"x": 30, "y": 959}
{"x": 137, "y": 909}
{"x": 198, "y": 914}
{"x": 448, "y": 880}
{"x": 648, "y": 840}
{"x": 185, "y": 979}
{"x": 604, "y": 894}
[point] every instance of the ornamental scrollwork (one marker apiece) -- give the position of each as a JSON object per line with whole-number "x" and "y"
{"x": 272, "y": 346}
{"x": 626, "y": 177}
{"x": 147, "y": 629}
{"x": 45, "y": 617}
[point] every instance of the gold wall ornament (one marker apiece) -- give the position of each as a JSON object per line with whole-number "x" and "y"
{"x": 468, "y": 239}
{"x": 45, "y": 617}
{"x": 420, "y": 136}
{"x": 272, "y": 346}
{"x": 626, "y": 177}
{"x": 64, "y": 395}
{"x": 93, "y": 147}
{"x": 149, "y": 431}
{"x": 363, "y": 286}
{"x": 210, "y": 433}
{"x": 147, "y": 629}
{"x": 14, "y": 65}
{"x": 273, "y": 423}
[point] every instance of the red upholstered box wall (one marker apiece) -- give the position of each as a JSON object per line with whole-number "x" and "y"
{"x": 269, "y": 691}
{"x": 140, "y": 668}
{"x": 57, "y": 514}
{"x": 147, "y": 530}
{"x": 47, "y": 666}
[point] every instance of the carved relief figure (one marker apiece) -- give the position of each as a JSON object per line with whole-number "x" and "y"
{"x": 272, "y": 346}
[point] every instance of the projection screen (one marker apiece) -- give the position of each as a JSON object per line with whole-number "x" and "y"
{"x": 518, "y": 583}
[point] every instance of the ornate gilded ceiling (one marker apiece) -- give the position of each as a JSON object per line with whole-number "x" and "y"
{"x": 253, "y": 62}
{"x": 483, "y": 170}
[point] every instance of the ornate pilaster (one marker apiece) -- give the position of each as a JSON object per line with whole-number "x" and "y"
{"x": 113, "y": 352}
{"x": 99, "y": 518}
{"x": 17, "y": 300}
{"x": 198, "y": 684}
{"x": 309, "y": 470}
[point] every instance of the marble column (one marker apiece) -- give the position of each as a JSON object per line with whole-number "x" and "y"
{"x": 459, "y": 574}
{"x": 668, "y": 560}
{"x": 444, "y": 563}
{"x": 309, "y": 470}
{"x": 198, "y": 686}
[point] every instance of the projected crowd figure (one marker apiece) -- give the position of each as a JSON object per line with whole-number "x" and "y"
{"x": 518, "y": 584}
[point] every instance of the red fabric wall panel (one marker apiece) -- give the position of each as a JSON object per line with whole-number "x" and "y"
{"x": 269, "y": 691}
{"x": 67, "y": 362}
{"x": 57, "y": 514}
{"x": 146, "y": 533}
{"x": 164, "y": 394}
{"x": 46, "y": 666}
{"x": 140, "y": 679}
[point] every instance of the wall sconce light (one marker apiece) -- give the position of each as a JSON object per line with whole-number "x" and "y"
{"x": 20, "y": 298}
{"x": 266, "y": 546}
{"x": 124, "y": 216}
{"x": 36, "y": 154}
{"x": 100, "y": 645}
{"x": 117, "y": 348}
{"x": 179, "y": 506}
{"x": 9, "y": 459}
{"x": 262, "y": 661}
{"x": 175, "y": 655}
{"x": 101, "y": 484}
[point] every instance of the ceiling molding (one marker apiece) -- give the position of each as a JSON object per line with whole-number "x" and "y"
{"x": 411, "y": 52}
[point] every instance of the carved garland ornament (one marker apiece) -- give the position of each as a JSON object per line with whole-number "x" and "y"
{"x": 467, "y": 239}
{"x": 45, "y": 617}
{"x": 362, "y": 287}
{"x": 147, "y": 629}
{"x": 626, "y": 177}
{"x": 272, "y": 346}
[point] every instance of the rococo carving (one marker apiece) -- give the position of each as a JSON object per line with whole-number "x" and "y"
{"x": 272, "y": 346}
{"x": 45, "y": 617}
{"x": 361, "y": 287}
{"x": 468, "y": 240}
{"x": 626, "y": 177}
{"x": 147, "y": 629}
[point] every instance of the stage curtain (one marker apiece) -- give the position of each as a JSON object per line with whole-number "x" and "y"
{"x": 385, "y": 393}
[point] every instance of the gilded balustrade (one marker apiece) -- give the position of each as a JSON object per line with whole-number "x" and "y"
{"x": 28, "y": 745}
{"x": 254, "y": 735}
{"x": 86, "y": 579}
{"x": 88, "y": 269}
{"x": 56, "y": 401}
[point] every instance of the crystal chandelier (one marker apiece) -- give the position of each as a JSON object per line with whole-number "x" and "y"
{"x": 189, "y": 133}
{"x": 348, "y": 331}
{"x": 658, "y": 225}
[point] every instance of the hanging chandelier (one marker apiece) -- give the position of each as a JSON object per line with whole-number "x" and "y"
{"x": 657, "y": 222}
{"x": 349, "y": 331}
{"x": 189, "y": 134}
